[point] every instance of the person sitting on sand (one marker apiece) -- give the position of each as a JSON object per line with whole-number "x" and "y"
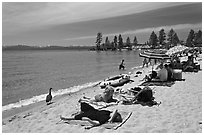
{"x": 162, "y": 74}
{"x": 159, "y": 66}
{"x": 170, "y": 72}
{"x": 151, "y": 76}
{"x": 106, "y": 96}
{"x": 121, "y": 66}
{"x": 94, "y": 116}
{"x": 189, "y": 65}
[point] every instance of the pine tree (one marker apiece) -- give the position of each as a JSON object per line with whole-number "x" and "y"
{"x": 135, "y": 41}
{"x": 112, "y": 46}
{"x": 189, "y": 40}
{"x": 162, "y": 37}
{"x": 170, "y": 36}
{"x": 107, "y": 44}
{"x": 115, "y": 42}
{"x": 153, "y": 40}
{"x": 120, "y": 42}
{"x": 198, "y": 38}
{"x": 128, "y": 44}
{"x": 98, "y": 40}
{"x": 175, "y": 39}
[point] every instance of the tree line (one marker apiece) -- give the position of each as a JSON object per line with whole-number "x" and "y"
{"x": 117, "y": 43}
{"x": 163, "y": 40}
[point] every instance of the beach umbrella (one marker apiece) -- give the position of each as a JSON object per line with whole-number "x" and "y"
{"x": 154, "y": 55}
{"x": 176, "y": 49}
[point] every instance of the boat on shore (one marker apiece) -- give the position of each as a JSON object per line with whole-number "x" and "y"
{"x": 115, "y": 81}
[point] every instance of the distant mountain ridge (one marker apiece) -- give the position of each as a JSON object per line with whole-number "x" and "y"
{"x": 25, "y": 47}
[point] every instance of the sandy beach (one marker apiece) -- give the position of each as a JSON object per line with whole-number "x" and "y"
{"x": 180, "y": 111}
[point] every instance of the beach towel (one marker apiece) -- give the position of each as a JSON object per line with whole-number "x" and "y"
{"x": 157, "y": 83}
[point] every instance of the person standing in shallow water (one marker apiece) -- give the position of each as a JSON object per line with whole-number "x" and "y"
{"x": 145, "y": 62}
{"x": 121, "y": 66}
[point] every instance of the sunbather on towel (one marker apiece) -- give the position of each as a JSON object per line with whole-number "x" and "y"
{"x": 144, "y": 97}
{"x": 94, "y": 116}
{"x": 106, "y": 96}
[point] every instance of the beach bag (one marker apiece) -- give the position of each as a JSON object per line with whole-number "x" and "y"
{"x": 145, "y": 95}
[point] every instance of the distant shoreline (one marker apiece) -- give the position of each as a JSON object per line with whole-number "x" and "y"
{"x": 60, "y": 48}
{"x": 24, "y": 47}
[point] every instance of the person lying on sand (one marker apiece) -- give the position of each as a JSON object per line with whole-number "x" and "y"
{"x": 143, "y": 96}
{"x": 106, "y": 96}
{"x": 94, "y": 116}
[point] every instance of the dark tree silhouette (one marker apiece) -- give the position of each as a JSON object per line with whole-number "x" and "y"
{"x": 135, "y": 41}
{"x": 172, "y": 38}
{"x": 98, "y": 40}
{"x": 175, "y": 39}
{"x": 120, "y": 42}
{"x": 162, "y": 37}
{"x": 115, "y": 42}
{"x": 153, "y": 40}
{"x": 128, "y": 43}
{"x": 189, "y": 40}
{"x": 107, "y": 44}
{"x": 198, "y": 38}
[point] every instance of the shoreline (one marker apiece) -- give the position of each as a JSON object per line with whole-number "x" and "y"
{"x": 17, "y": 110}
{"x": 24, "y": 109}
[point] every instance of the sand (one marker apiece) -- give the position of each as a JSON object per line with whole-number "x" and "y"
{"x": 180, "y": 111}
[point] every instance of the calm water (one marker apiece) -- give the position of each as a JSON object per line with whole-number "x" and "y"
{"x": 27, "y": 75}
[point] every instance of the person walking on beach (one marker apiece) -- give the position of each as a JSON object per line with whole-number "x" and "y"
{"x": 121, "y": 66}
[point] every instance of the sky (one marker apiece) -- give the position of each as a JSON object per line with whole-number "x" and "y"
{"x": 77, "y": 23}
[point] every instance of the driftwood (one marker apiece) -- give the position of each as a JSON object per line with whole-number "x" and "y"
{"x": 128, "y": 116}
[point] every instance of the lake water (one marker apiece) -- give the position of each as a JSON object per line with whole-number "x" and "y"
{"x": 27, "y": 75}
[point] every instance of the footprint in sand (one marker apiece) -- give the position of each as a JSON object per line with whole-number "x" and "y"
{"x": 12, "y": 118}
{"x": 28, "y": 114}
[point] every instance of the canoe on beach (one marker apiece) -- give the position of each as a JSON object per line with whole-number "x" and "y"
{"x": 114, "y": 77}
{"x": 115, "y": 81}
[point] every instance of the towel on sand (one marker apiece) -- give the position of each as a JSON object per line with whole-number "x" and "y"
{"x": 157, "y": 83}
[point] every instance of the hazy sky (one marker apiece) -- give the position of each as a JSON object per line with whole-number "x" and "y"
{"x": 68, "y": 23}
